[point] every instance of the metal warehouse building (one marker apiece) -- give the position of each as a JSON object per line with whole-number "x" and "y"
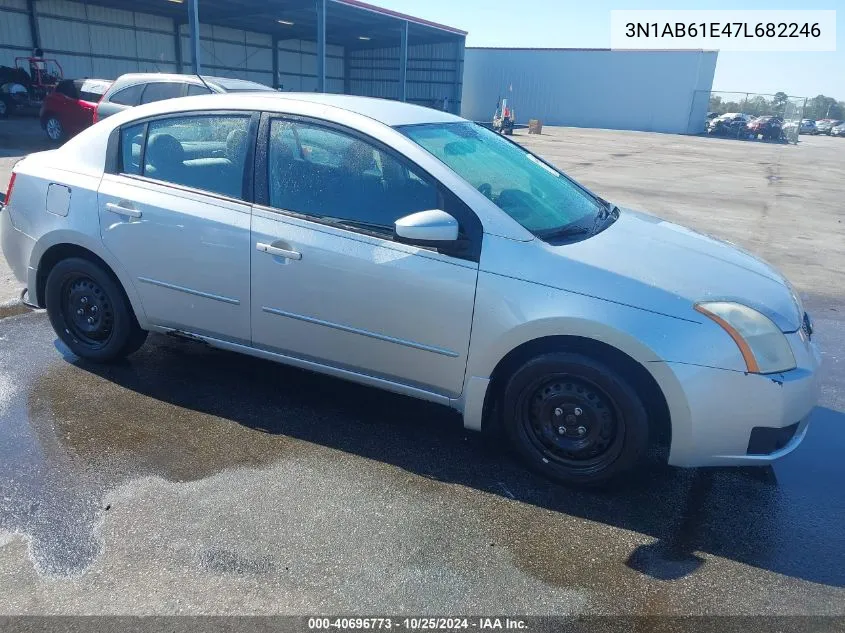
{"x": 654, "y": 91}
{"x": 341, "y": 46}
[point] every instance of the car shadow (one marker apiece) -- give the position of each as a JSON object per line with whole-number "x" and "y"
{"x": 787, "y": 519}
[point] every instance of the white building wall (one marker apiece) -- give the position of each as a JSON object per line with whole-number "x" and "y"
{"x": 627, "y": 90}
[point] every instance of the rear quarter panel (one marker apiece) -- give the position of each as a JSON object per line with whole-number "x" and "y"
{"x": 29, "y": 214}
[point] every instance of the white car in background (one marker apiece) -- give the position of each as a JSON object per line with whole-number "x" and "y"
{"x": 412, "y": 250}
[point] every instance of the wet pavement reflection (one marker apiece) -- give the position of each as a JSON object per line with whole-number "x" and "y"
{"x": 71, "y": 432}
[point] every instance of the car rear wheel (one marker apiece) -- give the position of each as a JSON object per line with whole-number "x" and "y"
{"x": 54, "y": 129}
{"x": 574, "y": 419}
{"x": 90, "y": 312}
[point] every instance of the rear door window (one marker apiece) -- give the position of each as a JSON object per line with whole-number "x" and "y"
{"x": 206, "y": 152}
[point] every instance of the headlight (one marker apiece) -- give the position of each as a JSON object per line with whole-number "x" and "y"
{"x": 763, "y": 346}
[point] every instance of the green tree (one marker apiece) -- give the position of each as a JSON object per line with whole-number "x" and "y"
{"x": 822, "y": 107}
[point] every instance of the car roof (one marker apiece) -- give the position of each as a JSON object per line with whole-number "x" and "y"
{"x": 225, "y": 83}
{"x": 386, "y": 111}
{"x": 232, "y": 84}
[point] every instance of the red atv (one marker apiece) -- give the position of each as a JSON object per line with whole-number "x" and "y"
{"x": 25, "y": 86}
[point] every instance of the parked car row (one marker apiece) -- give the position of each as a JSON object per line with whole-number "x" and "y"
{"x": 76, "y": 104}
{"x": 740, "y": 125}
{"x": 825, "y": 126}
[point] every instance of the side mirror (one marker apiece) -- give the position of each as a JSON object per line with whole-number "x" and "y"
{"x": 427, "y": 228}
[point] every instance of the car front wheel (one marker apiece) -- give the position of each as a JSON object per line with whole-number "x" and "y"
{"x": 90, "y": 312}
{"x": 575, "y": 419}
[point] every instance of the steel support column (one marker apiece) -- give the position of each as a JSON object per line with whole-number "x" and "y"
{"x": 34, "y": 32}
{"x": 321, "y": 45}
{"x": 177, "y": 38}
{"x": 403, "y": 62}
{"x": 194, "y": 24}
{"x": 455, "y": 106}
{"x": 276, "y": 83}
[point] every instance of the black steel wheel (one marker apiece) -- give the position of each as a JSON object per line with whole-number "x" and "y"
{"x": 87, "y": 310}
{"x": 574, "y": 419}
{"x": 90, "y": 312}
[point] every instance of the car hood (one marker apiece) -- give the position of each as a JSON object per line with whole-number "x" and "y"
{"x": 644, "y": 261}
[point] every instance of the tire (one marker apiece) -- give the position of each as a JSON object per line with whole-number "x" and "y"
{"x": 106, "y": 328}
{"x": 55, "y": 130}
{"x": 574, "y": 419}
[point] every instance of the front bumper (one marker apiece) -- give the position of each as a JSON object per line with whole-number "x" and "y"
{"x": 731, "y": 418}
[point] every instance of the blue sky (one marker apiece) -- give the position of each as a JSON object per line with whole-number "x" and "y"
{"x": 586, "y": 24}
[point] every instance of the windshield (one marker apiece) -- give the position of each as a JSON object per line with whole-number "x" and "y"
{"x": 534, "y": 194}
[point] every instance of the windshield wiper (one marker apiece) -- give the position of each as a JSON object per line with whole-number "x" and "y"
{"x": 566, "y": 231}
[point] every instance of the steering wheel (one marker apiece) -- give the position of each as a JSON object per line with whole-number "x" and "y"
{"x": 486, "y": 190}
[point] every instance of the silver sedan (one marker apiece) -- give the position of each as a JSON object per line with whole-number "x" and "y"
{"x": 411, "y": 250}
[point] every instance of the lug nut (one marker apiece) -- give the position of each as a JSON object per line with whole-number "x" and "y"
{"x": 94, "y": 309}
{"x": 91, "y": 320}
{"x": 578, "y": 411}
{"x": 561, "y": 430}
{"x": 83, "y": 300}
{"x": 582, "y": 431}
{"x": 80, "y": 312}
{"x": 558, "y": 412}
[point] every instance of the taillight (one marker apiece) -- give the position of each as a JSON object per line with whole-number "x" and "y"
{"x": 8, "y": 197}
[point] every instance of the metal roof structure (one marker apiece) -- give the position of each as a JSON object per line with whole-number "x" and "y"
{"x": 336, "y": 46}
{"x": 347, "y": 21}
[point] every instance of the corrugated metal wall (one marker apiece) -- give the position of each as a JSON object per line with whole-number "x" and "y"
{"x": 625, "y": 90}
{"x": 298, "y": 66}
{"x": 434, "y": 73}
{"x": 15, "y": 40}
{"x": 231, "y": 53}
{"x": 93, "y": 41}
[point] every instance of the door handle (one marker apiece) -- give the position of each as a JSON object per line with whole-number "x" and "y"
{"x": 278, "y": 252}
{"x": 125, "y": 211}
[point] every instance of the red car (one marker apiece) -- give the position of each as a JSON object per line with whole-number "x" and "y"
{"x": 70, "y": 108}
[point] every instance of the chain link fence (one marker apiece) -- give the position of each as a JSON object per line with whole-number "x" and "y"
{"x": 747, "y": 115}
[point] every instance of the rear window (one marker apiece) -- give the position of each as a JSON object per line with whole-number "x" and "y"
{"x": 194, "y": 90}
{"x": 130, "y": 96}
{"x": 160, "y": 91}
{"x": 90, "y": 89}
{"x": 67, "y": 88}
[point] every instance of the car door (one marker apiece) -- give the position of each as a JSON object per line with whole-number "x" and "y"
{"x": 329, "y": 283}
{"x": 180, "y": 226}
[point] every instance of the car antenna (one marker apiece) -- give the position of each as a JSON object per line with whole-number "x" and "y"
{"x": 203, "y": 82}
